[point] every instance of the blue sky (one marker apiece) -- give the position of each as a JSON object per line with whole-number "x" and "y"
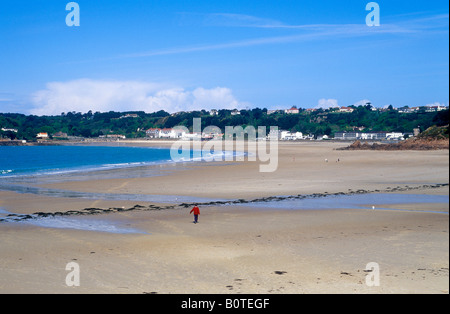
{"x": 188, "y": 55}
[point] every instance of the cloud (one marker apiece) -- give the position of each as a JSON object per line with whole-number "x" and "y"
{"x": 362, "y": 102}
{"x": 101, "y": 95}
{"x": 314, "y": 32}
{"x": 327, "y": 103}
{"x": 239, "y": 20}
{"x": 304, "y": 32}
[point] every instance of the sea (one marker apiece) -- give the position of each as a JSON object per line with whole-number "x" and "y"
{"x": 18, "y": 161}
{"x": 24, "y": 168}
{"x": 47, "y": 160}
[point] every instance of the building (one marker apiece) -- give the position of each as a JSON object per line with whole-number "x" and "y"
{"x": 346, "y": 135}
{"x": 116, "y": 136}
{"x": 378, "y": 136}
{"x": 165, "y": 133}
{"x": 435, "y": 108}
{"x": 214, "y": 112}
{"x": 152, "y": 133}
{"x": 406, "y": 109}
{"x": 288, "y": 136}
{"x": 235, "y": 112}
{"x": 130, "y": 115}
{"x": 274, "y": 135}
{"x": 10, "y": 130}
{"x": 42, "y": 135}
{"x": 346, "y": 109}
{"x": 293, "y": 110}
{"x": 395, "y": 136}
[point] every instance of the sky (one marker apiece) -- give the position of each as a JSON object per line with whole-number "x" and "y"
{"x": 150, "y": 55}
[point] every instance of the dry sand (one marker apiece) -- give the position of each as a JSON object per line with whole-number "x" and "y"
{"x": 240, "y": 249}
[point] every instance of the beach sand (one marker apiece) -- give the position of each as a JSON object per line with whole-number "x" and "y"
{"x": 241, "y": 249}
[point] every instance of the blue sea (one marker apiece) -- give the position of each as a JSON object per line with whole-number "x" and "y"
{"x": 46, "y": 160}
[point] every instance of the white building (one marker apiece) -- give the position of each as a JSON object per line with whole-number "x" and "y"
{"x": 293, "y": 110}
{"x": 165, "y": 133}
{"x": 369, "y": 136}
{"x": 42, "y": 135}
{"x": 288, "y": 136}
{"x": 346, "y": 109}
{"x": 395, "y": 136}
{"x": 10, "y": 130}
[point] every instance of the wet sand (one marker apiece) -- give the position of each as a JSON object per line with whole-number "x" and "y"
{"x": 237, "y": 249}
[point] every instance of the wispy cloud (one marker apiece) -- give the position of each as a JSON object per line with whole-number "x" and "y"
{"x": 306, "y": 32}
{"x": 321, "y": 31}
{"x": 239, "y": 20}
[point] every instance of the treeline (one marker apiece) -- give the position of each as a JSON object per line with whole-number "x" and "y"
{"x": 134, "y": 124}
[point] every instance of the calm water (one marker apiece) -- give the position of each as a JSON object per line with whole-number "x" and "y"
{"x": 38, "y": 160}
{"x": 362, "y": 201}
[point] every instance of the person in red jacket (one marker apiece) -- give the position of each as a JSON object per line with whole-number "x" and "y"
{"x": 196, "y": 212}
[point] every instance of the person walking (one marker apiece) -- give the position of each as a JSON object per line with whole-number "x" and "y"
{"x": 196, "y": 212}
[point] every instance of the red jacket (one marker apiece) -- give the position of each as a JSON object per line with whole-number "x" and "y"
{"x": 196, "y": 211}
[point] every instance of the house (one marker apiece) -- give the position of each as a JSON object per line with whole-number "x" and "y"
{"x": 116, "y": 136}
{"x": 42, "y": 135}
{"x": 346, "y": 135}
{"x": 164, "y": 133}
{"x": 171, "y": 133}
{"x": 322, "y": 137}
{"x": 152, "y": 133}
{"x": 10, "y": 130}
{"x": 346, "y": 109}
{"x": 213, "y": 112}
{"x": 310, "y": 110}
{"x": 435, "y": 108}
{"x": 395, "y": 136}
{"x": 274, "y": 135}
{"x": 129, "y": 115}
{"x": 293, "y": 110}
{"x": 288, "y": 136}
{"x": 235, "y": 112}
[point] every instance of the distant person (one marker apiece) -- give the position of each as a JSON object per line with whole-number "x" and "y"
{"x": 196, "y": 212}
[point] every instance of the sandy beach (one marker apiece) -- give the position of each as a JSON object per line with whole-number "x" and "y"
{"x": 242, "y": 249}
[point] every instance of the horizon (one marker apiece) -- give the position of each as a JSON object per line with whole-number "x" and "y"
{"x": 175, "y": 56}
